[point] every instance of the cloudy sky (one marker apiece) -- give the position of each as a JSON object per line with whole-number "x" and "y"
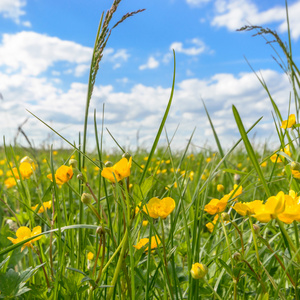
{"x": 45, "y": 52}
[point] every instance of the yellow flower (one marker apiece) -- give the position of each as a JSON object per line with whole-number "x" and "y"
{"x": 62, "y": 175}
{"x": 145, "y": 223}
{"x": 54, "y": 152}
{"x": 216, "y": 206}
{"x": 289, "y": 122}
{"x": 263, "y": 164}
{"x": 296, "y": 174}
{"x": 43, "y": 207}
{"x": 220, "y": 188}
{"x": 274, "y": 206}
{"x": 198, "y": 270}
{"x": 208, "y": 159}
{"x": 145, "y": 241}
{"x": 274, "y": 157}
{"x": 1, "y": 172}
{"x": 25, "y": 169}
{"x": 10, "y": 182}
{"x": 239, "y": 165}
{"x": 29, "y": 160}
{"x": 90, "y": 256}
{"x": 247, "y": 208}
{"x": 292, "y": 208}
{"x": 24, "y": 233}
{"x": 159, "y": 208}
{"x": 121, "y": 170}
{"x": 191, "y": 175}
{"x": 210, "y": 226}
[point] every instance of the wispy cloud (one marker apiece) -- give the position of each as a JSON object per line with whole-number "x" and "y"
{"x": 13, "y": 9}
{"x": 197, "y": 48}
{"x": 152, "y": 63}
{"x": 234, "y": 14}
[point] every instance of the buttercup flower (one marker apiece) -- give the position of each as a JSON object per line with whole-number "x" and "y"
{"x": 220, "y": 188}
{"x": 210, "y": 226}
{"x": 274, "y": 157}
{"x": 24, "y": 233}
{"x": 10, "y": 182}
{"x": 25, "y": 169}
{"x": 159, "y": 208}
{"x": 43, "y": 207}
{"x": 90, "y": 256}
{"x": 289, "y": 122}
{"x": 274, "y": 206}
{"x": 121, "y": 170}
{"x": 292, "y": 208}
{"x": 247, "y": 208}
{"x": 198, "y": 270}
{"x": 145, "y": 241}
{"x": 216, "y": 206}
{"x": 62, "y": 175}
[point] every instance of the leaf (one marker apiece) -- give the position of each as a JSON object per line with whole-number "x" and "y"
{"x": 225, "y": 266}
{"x": 4, "y": 261}
{"x": 250, "y": 150}
{"x": 141, "y": 191}
{"x": 9, "y": 282}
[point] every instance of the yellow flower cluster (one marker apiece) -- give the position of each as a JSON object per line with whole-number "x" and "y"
{"x": 282, "y": 206}
{"x": 216, "y": 206}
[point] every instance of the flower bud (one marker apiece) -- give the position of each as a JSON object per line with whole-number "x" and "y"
{"x": 27, "y": 159}
{"x": 108, "y": 164}
{"x": 126, "y": 155}
{"x": 198, "y": 270}
{"x": 237, "y": 178}
{"x": 295, "y": 165}
{"x": 73, "y": 163}
{"x": 256, "y": 228}
{"x": 81, "y": 177}
{"x": 225, "y": 216}
{"x": 220, "y": 188}
{"x": 100, "y": 230}
{"x": 86, "y": 198}
{"x": 237, "y": 256}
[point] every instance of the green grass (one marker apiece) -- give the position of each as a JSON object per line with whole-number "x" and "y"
{"x": 245, "y": 258}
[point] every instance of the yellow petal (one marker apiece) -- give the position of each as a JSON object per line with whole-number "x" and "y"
{"x": 22, "y": 232}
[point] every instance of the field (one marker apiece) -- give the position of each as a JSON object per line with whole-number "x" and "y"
{"x": 154, "y": 223}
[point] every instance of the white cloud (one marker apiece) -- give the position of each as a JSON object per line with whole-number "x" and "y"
{"x": 33, "y": 53}
{"x": 115, "y": 57}
{"x": 81, "y": 70}
{"x": 234, "y": 14}
{"x": 12, "y": 9}
{"x": 142, "y": 107}
{"x": 152, "y": 63}
{"x": 199, "y": 47}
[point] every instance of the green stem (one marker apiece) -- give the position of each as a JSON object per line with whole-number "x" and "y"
{"x": 212, "y": 289}
{"x": 254, "y": 241}
{"x": 119, "y": 265}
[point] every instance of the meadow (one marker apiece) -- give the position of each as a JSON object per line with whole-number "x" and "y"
{"x": 155, "y": 223}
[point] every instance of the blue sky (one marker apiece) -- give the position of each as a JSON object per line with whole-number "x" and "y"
{"x": 46, "y": 47}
